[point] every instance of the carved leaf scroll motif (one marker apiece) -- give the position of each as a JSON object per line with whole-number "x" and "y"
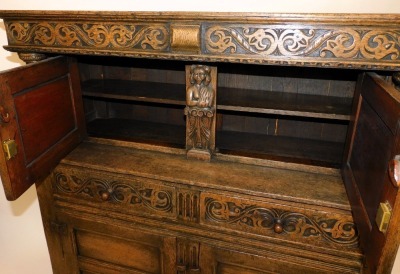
{"x": 339, "y": 231}
{"x": 151, "y": 197}
{"x": 199, "y": 131}
{"x": 276, "y": 41}
{"x": 106, "y": 36}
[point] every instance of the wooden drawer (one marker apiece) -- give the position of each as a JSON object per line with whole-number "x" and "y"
{"x": 290, "y": 222}
{"x": 133, "y": 195}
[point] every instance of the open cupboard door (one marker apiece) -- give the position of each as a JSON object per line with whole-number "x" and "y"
{"x": 41, "y": 120}
{"x": 372, "y": 171}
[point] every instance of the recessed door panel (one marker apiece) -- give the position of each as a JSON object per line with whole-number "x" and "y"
{"x": 41, "y": 120}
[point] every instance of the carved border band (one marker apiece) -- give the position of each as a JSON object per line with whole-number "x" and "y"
{"x": 149, "y": 37}
{"x": 367, "y": 47}
{"x": 330, "y": 229}
{"x": 277, "y": 41}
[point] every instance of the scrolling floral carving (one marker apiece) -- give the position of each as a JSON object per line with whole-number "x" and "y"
{"x": 152, "y": 197}
{"x": 102, "y": 36}
{"x": 276, "y": 40}
{"x": 337, "y": 45}
{"x": 336, "y": 230}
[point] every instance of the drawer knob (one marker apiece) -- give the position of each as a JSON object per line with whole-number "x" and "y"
{"x": 278, "y": 227}
{"x": 105, "y": 195}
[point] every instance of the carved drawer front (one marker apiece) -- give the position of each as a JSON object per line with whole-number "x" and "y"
{"x": 290, "y": 223}
{"x": 134, "y": 194}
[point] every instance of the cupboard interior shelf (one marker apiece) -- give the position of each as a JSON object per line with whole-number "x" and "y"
{"x": 232, "y": 99}
{"x": 139, "y": 91}
{"x": 315, "y": 152}
{"x": 138, "y": 131}
{"x": 284, "y": 103}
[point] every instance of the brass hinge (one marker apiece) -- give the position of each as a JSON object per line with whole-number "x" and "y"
{"x": 383, "y": 216}
{"x": 10, "y": 149}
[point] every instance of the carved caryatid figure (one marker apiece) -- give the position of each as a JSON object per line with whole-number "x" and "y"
{"x": 200, "y": 101}
{"x": 200, "y": 93}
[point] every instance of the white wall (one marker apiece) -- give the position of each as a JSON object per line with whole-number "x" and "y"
{"x": 22, "y": 244}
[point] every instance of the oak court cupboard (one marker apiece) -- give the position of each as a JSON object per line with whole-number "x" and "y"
{"x": 183, "y": 142}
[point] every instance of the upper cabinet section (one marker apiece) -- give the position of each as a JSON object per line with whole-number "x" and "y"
{"x": 364, "y": 41}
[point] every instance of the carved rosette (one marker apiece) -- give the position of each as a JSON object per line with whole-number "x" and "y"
{"x": 149, "y": 196}
{"x": 277, "y": 41}
{"x": 333, "y": 229}
{"x": 154, "y": 37}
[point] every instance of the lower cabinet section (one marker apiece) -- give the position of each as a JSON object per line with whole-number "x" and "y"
{"x": 141, "y": 220}
{"x": 91, "y": 247}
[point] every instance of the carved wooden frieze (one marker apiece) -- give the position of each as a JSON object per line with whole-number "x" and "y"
{"x": 134, "y": 193}
{"x": 274, "y": 42}
{"x": 111, "y": 36}
{"x": 201, "y": 90}
{"x": 331, "y": 40}
{"x": 332, "y": 229}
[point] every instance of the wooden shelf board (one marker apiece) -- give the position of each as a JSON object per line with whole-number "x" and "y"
{"x": 295, "y": 150}
{"x": 284, "y": 103}
{"x": 138, "y": 131}
{"x": 281, "y": 148}
{"x": 256, "y": 101}
{"x": 135, "y": 91}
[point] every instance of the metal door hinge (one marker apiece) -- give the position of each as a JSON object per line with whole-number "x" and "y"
{"x": 10, "y": 149}
{"x": 383, "y": 216}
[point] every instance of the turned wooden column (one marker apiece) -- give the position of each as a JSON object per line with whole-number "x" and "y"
{"x": 201, "y": 91}
{"x": 31, "y": 57}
